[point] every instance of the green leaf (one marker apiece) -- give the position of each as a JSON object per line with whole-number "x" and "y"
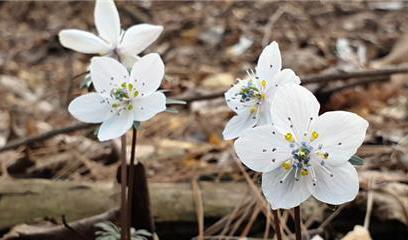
{"x": 356, "y": 160}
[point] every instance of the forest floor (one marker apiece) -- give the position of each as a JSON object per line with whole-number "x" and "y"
{"x": 206, "y": 46}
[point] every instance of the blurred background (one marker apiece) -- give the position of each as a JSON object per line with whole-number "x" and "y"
{"x": 352, "y": 55}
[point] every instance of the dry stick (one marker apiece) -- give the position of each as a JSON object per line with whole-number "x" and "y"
{"x": 297, "y": 223}
{"x": 198, "y": 200}
{"x": 241, "y": 219}
{"x": 67, "y": 226}
{"x": 251, "y": 222}
{"x": 322, "y": 79}
{"x": 267, "y": 227}
{"x": 305, "y": 80}
{"x": 277, "y": 224}
{"x": 45, "y": 136}
{"x": 125, "y": 232}
{"x": 131, "y": 177}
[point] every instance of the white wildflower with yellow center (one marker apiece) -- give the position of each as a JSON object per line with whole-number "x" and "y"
{"x": 303, "y": 154}
{"x": 111, "y": 41}
{"x": 121, "y": 98}
{"x": 250, "y": 98}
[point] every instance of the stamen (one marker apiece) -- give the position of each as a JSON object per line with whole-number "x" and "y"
{"x": 304, "y": 172}
{"x": 314, "y": 179}
{"x": 285, "y": 176}
{"x": 263, "y": 83}
{"x": 327, "y": 170}
{"x": 289, "y": 137}
{"x": 287, "y": 165}
{"x": 314, "y": 136}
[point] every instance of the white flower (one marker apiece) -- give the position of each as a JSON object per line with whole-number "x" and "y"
{"x": 121, "y": 98}
{"x": 111, "y": 40}
{"x": 304, "y": 154}
{"x": 250, "y": 99}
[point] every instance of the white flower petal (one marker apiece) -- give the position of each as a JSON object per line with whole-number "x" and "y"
{"x": 265, "y": 113}
{"x": 340, "y": 134}
{"x": 83, "y": 42}
{"x": 116, "y": 126}
{"x": 262, "y": 149}
{"x": 107, "y": 20}
{"x": 269, "y": 62}
{"x": 137, "y": 38}
{"x": 293, "y": 107}
{"x": 90, "y": 108}
{"x": 239, "y": 123}
{"x": 288, "y": 194}
{"x": 148, "y": 73}
{"x": 107, "y": 73}
{"x": 147, "y": 107}
{"x": 233, "y": 98}
{"x": 128, "y": 60}
{"x": 287, "y": 76}
{"x": 342, "y": 187}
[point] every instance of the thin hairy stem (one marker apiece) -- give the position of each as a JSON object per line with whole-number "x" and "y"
{"x": 277, "y": 224}
{"x": 131, "y": 173}
{"x": 125, "y": 229}
{"x": 297, "y": 223}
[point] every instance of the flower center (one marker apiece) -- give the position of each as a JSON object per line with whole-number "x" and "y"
{"x": 300, "y": 161}
{"x": 122, "y": 97}
{"x": 251, "y": 92}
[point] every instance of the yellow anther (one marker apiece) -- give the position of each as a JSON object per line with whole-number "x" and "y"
{"x": 130, "y": 86}
{"x": 304, "y": 172}
{"x": 287, "y": 165}
{"x": 263, "y": 83}
{"x": 130, "y": 107}
{"x": 289, "y": 137}
{"x": 323, "y": 155}
{"x": 253, "y": 110}
{"x": 123, "y": 85}
{"x": 314, "y": 136}
{"x": 136, "y": 93}
{"x": 263, "y": 96}
{"x": 115, "y": 105}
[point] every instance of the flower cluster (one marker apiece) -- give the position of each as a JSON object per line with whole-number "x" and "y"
{"x": 122, "y": 97}
{"x": 299, "y": 153}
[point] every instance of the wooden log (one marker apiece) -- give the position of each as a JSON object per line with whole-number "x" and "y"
{"x": 23, "y": 201}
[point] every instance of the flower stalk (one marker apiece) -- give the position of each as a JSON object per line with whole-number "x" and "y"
{"x": 131, "y": 174}
{"x": 298, "y": 229}
{"x": 276, "y": 221}
{"x": 125, "y": 226}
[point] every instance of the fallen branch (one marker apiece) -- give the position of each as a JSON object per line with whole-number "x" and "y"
{"x": 369, "y": 76}
{"x": 45, "y": 136}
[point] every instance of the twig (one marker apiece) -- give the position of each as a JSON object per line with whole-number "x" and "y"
{"x": 362, "y": 81}
{"x": 370, "y": 198}
{"x": 198, "y": 200}
{"x": 322, "y": 78}
{"x": 241, "y": 218}
{"x": 125, "y": 231}
{"x": 305, "y": 80}
{"x": 277, "y": 224}
{"x": 131, "y": 175}
{"x": 45, "y": 136}
{"x": 355, "y": 74}
{"x": 66, "y": 225}
{"x": 251, "y": 222}
{"x": 297, "y": 223}
{"x": 268, "y": 227}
